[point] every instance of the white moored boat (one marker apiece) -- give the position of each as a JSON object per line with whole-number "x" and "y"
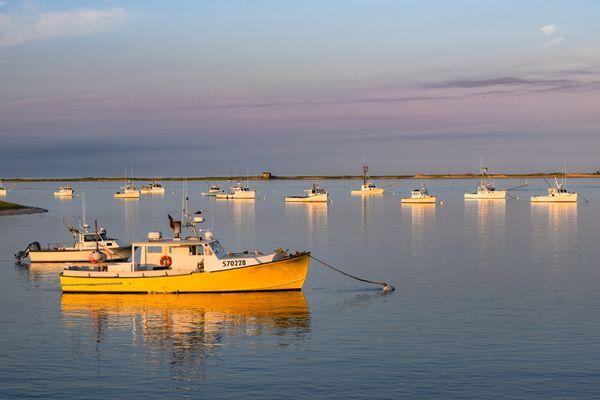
{"x": 85, "y": 243}
{"x": 486, "y": 189}
{"x": 419, "y": 196}
{"x": 313, "y": 195}
{"x": 556, "y": 194}
{"x": 64, "y": 191}
{"x": 3, "y": 190}
{"x": 213, "y": 190}
{"x": 367, "y": 187}
{"x": 194, "y": 264}
{"x": 238, "y": 191}
{"x": 129, "y": 191}
{"x": 153, "y": 188}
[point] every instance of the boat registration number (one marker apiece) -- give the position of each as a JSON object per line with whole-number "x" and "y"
{"x": 234, "y": 263}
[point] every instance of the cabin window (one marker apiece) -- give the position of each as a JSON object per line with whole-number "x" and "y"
{"x": 154, "y": 249}
{"x": 196, "y": 250}
{"x": 217, "y": 248}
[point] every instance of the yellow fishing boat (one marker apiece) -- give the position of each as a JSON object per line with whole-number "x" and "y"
{"x": 196, "y": 264}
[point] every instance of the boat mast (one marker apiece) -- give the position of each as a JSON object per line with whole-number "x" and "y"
{"x": 83, "y": 212}
{"x": 365, "y": 172}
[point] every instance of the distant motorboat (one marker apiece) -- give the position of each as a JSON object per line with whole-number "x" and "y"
{"x": 556, "y": 194}
{"x": 129, "y": 191}
{"x": 367, "y": 187}
{"x": 238, "y": 191}
{"x": 314, "y": 194}
{"x": 213, "y": 190}
{"x": 64, "y": 191}
{"x": 419, "y": 196}
{"x": 84, "y": 244}
{"x": 153, "y": 188}
{"x": 486, "y": 189}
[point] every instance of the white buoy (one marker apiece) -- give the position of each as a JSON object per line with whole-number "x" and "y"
{"x": 388, "y": 288}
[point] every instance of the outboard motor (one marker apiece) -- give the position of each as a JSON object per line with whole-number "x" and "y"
{"x": 35, "y": 246}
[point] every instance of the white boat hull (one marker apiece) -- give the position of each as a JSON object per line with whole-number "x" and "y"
{"x": 248, "y": 195}
{"x": 70, "y": 255}
{"x": 368, "y": 192}
{"x": 158, "y": 191}
{"x": 63, "y": 194}
{"x": 320, "y": 198}
{"x": 128, "y": 195}
{"x": 563, "y": 198}
{"x": 424, "y": 200}
{"x": 2, "y": 192}
{"x": 495, "y": 195}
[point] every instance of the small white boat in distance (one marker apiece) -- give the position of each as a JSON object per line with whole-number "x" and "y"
{"x": 367, "y": 187}
{"x": 419, "y": 196}
{"x": 84, "y": 245}
{"x": 313, "y": 195}
{"x": 3, "y": 190}
{"x": 238, "y": 191}
{"x": 64, "y": 191}
{"x": 129, "y": 191}
{"x": 153, "y": 188}
{"x": 486, "y": 189}
{"x": 556, "y": 194}
{"x": 213, "y": 190}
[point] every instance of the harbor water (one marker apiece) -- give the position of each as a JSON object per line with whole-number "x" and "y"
{"x": 494, "y": 299}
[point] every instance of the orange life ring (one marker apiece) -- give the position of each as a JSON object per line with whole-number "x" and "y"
{"x": 166, "y": 261}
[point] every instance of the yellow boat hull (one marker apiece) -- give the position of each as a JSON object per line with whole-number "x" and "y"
{"x": 287, "y": 274}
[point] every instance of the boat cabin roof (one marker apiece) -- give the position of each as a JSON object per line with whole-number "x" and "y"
{"x": 192, "y": 241}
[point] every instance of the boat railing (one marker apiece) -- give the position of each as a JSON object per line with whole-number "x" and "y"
{"x": 53, "y": 246}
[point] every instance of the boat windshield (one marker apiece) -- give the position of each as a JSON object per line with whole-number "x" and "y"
{"x": 92, "y": 237}
{"x": 217, "y": 248}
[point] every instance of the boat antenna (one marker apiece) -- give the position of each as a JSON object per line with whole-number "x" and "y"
{"x": 83, "y": 211}
{"x": 184, "y": 203}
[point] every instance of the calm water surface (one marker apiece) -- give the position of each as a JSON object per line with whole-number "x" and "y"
{"x": 493, "y": 300}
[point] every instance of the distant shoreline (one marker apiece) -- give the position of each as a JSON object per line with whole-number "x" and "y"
{"x": 312, "y": 177}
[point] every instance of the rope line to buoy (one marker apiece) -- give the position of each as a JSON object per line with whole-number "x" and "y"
{"x": 386, "y": 287}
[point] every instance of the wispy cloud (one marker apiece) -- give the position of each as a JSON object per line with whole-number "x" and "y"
{"x": 549, "y": 29}
{"x": 19, "y": 27}
{"x": 554, "y": 42}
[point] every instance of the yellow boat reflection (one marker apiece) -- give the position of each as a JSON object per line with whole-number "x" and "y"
{"x": 171, "y": 320}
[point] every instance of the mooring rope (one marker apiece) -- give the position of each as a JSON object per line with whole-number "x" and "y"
{"x": 386, "y": 287}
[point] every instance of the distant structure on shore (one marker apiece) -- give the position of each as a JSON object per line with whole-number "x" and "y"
{"x": 266, "y": 175}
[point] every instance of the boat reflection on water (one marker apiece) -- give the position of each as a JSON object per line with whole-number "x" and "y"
{"x": 243, "y": 216}
{"x": 554, "y": 226}
{"x": 315, "y": 215}
{"x": 422, "y": 223}
{"x": 555, "y": 216}
{"x": 486, "y": 220}
{"x": 187, "y": 328}
{"x": 47, "y": 272}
